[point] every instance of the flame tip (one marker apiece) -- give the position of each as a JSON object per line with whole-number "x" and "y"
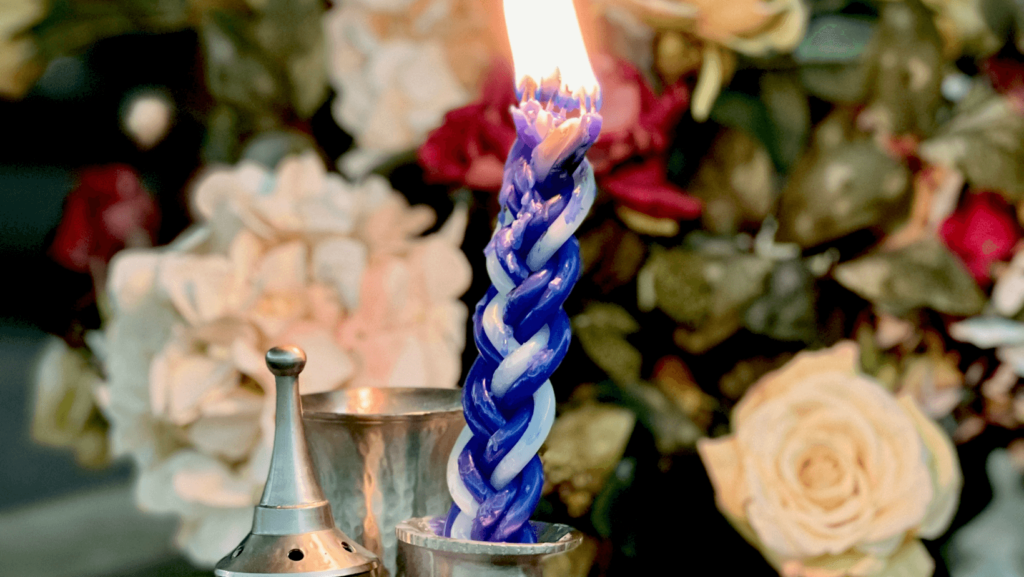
{"x": 548, "y": 53}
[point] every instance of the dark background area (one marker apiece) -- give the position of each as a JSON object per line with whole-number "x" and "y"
{"x": 71, "y": 120}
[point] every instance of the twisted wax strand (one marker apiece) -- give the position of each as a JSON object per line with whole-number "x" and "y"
{"x": 521, "y": 331}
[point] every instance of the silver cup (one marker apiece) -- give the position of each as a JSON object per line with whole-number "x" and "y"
{"x": 422, "y": 553}
{"x": 381, "y": 457}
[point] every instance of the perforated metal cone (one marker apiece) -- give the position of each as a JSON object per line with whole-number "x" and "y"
{"x": 293, "y": 530}
{"x": 319, "y": 553}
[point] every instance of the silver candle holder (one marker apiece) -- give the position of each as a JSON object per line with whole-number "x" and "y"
{"x": 422, "y": 552}
{"x": 293, "y": 530}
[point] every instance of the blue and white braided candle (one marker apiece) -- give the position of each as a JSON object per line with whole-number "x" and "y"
{"x": 533, "y": 260}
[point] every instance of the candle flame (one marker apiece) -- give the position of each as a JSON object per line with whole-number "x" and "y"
{"x": 545, "y": 37}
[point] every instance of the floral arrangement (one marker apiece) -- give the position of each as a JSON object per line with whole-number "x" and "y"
{"x": 292, "y": 255}
{"x": 798, "y": 326}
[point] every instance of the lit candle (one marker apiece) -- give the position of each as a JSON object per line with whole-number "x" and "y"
{"x": 522, "y": 332}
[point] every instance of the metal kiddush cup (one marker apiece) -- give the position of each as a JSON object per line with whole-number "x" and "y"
{"x": 293, "y": 530}
{"x": 381, "y": 456}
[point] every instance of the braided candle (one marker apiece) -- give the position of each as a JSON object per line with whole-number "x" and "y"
{"x": 521, "y": 331}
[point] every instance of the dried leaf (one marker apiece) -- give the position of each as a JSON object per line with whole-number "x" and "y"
{"x": 898, "y": 72}
{"x": 65, "y": 413}
{"x": 707, "y": 335}
{"x": 923, "y": 274}
{"x": 735, "y": 181}
{"x": 674, "y": 379}
{"x": 840, "y": 189}
{"x": 985, "y": 140}
{"x": 705, "y": 293}
{"x": 612, "y": 255}
{"x": 844, "y": 83}
{"x": 1008, "y": 292}
{"x": 834, "y": 38}
{"x": 72, "y": 26}
{"x": 602, "y": 330}
{"x": 237, "y": 73}
{"x": 269, "y": 148}
{"x": 905, "y": 70}
{"x": 746, "y": 372}
{"x": 267, "y": 63}
{"x": 790, "y": 115}
{"x": 679, "y": 285}
{"x": 291, "y": 33}
{"x": 583, "y": 447}
{"x": 673, "y": 430}
{"x": 786, "y": 311}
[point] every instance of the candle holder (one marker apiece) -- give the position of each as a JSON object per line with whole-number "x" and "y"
{"x": 422, "y": 552}
{"x": 293, "y": 529}
{"x": 381, "y": 457}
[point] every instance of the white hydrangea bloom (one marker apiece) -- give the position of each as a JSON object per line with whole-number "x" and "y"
{"x": 399, "y": 65}
{"x": 296, "y": 256}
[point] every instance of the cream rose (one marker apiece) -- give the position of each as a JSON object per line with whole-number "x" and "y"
{"x": 828, "y": 475}
{"x": 751, "y": 27}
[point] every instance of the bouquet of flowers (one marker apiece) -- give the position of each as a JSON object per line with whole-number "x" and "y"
{"x": 799, "y": 321}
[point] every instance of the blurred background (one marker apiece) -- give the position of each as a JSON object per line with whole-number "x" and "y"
{"x": 774, "y": 177}
{"x": 59, "y": 517}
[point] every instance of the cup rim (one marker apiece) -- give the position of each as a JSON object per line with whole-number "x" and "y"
{"x": 418, "y": 533}
{"x": 313, "y": 414}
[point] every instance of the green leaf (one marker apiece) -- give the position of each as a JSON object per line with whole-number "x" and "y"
{"x": 841, "y": 189}
{"x": 269, "y": 148}
{"x": 834, "y": 39}
{"x": 746, "y": 113}
{"x": 222, "y": 135}
{"x": 676, "y": 280}
{"x": 705, "y": 293}
{"x": 923, "y": 274}
{"x": 842, "y": 83}
{"x": 72, "y": 26}
{"x": 789, "y": 112}
{"x": 291, "y": 33}
{"x": 898, "y": 73}
{"x": 786, "y": 311}
{"x": 906, "y": 70}
{"x": 239, "y": 74}
{"x": 985, "y": 140}
{"x": 602, "y": 329}
{"x": 617, "y": 485}
{"x": 737, "y": 183}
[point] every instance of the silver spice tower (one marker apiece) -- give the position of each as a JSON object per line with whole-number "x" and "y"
{"x": 293, "y": 530}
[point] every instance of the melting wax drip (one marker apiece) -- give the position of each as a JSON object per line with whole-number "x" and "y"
{"x": 521, "y": 331}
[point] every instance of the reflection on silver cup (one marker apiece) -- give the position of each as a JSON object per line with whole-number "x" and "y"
{"x": 381, "y": 457}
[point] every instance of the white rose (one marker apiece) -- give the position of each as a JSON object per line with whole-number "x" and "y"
{"x": 829, "y": 475}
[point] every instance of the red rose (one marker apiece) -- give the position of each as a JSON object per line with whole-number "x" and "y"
{"x": 643, "y": 187}
{"x": 1007, "y": 77}
{"x": 469, "y": 149}
{"x": 982, "y": 231}
{"x": 108, "y": 210}
{"x": 635, "y": 121}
